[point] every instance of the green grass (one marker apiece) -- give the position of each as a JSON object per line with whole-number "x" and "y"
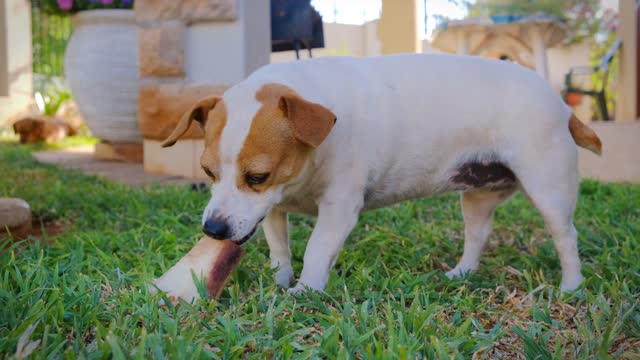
{"x": 82, "y": 294}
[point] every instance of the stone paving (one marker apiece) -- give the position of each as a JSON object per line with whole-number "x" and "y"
{"x": 81, "y": 158}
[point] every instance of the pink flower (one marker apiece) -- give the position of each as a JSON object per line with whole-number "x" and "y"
{"x": 65, "y": 4}
{"x": 106, "y": 2}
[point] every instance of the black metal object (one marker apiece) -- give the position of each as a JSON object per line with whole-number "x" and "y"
{"x": 295, "y": 24}
{"x": 599, "y": 94}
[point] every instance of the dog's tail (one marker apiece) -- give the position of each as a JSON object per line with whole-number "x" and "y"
{"x": 584, "y": 136}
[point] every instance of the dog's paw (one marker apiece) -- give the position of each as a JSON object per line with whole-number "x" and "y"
{"x": 153, "y": 290}
{"x": 569, "y": 285}
{"x": 458, "y": 272}
{"x": 299, "y": 289}
{"x": 284, "y": 276}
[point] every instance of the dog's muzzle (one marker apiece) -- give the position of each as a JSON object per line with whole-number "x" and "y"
{"x": 218, "y": 229}
{"x": 253, "y": 231}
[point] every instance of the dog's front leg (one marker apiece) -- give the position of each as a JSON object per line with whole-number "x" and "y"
{"x": 336, "y": 218}
{"x": 277, "y": 234}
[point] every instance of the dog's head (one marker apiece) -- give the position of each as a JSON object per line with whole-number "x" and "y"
{"x": 256, "y": 143}
{"x": 29, "y": 130}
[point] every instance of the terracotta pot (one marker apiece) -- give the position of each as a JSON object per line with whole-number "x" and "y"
{"x": 574, "y": 99}
{"x": 101, "y": 67}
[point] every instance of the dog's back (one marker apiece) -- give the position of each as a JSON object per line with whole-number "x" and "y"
{"x": 410, "y": 119}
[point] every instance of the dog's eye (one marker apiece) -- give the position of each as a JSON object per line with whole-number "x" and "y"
{"x": 209, "y": 173}
{"x": 256, "y": 179}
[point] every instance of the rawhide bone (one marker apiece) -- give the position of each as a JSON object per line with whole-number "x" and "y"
{"x": 211, "y": 260}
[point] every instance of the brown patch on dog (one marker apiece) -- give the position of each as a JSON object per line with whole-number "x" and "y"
{"x": 210, "y": 158}
{"x": 211, "y": 114}
{"x": 484, "y": 174}
{"x": 310, "y": 122}
{"x": 272, "y": 92}
{"x": 282, "y": 133}
{"x": 584, "y": 136}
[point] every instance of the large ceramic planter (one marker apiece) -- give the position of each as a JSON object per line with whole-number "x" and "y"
{"x": 101, "y": 67}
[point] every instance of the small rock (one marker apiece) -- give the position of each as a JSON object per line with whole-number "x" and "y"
{"x": 15, "y": 214}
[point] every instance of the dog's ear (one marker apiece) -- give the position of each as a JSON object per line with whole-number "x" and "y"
{"x": 311, "y": 122}
{"x": 198, "y": 112}
{"x": 24, "y": 125}
{"x": 29, "y": 129}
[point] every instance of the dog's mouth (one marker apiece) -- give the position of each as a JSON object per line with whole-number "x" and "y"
{"x": 247, "y": 237}
{"x": 250, "y": 234}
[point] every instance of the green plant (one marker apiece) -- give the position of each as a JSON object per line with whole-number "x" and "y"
{"x": 607, "y": 35}
{"x": 53, "y": 102}
{"x": 50, "y": 93}
{"x": 50, "y": 34}
{"x": 73, "y": 6}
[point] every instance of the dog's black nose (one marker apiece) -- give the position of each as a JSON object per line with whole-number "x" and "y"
{"x": 216, "y": 229}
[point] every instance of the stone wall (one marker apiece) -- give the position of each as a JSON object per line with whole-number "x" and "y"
{"x": 188, "y": 50}
{"x": 620, "y": 148}
{"x": 165, "y": 92}
{"x": 16, "y": 78}
{"x": 628, "y": 87}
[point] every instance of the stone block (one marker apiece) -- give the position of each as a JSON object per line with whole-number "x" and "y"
{"x": 162, "y": 105}
{"x": 186, "y": 10}
{"x": 620, "y": 148}
{"x": 161, "y": 51}
{"x": 155, "y": 10}
{"x": 208, "y": 10}
{"x": 181, "y": 159}
{"x": 125, "y": 152}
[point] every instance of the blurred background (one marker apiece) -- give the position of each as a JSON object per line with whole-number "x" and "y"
{"x": 94, "y": 86}
{"x": 123, "y": 71}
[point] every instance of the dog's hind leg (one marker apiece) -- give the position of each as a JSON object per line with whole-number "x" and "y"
{"x": 551, "y": 183}
{"x": 477, "y": 212}
{"x": 277, "y": 234}
{"x": 557, "y": 205}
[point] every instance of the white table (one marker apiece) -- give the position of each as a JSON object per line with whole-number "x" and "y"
{"x": 524, "y": 39}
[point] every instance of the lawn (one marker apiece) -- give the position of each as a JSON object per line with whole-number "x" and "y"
{"x": 82, "y": 294}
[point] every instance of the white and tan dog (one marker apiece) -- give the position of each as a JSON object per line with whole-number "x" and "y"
{"x": 335, "y": 136}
